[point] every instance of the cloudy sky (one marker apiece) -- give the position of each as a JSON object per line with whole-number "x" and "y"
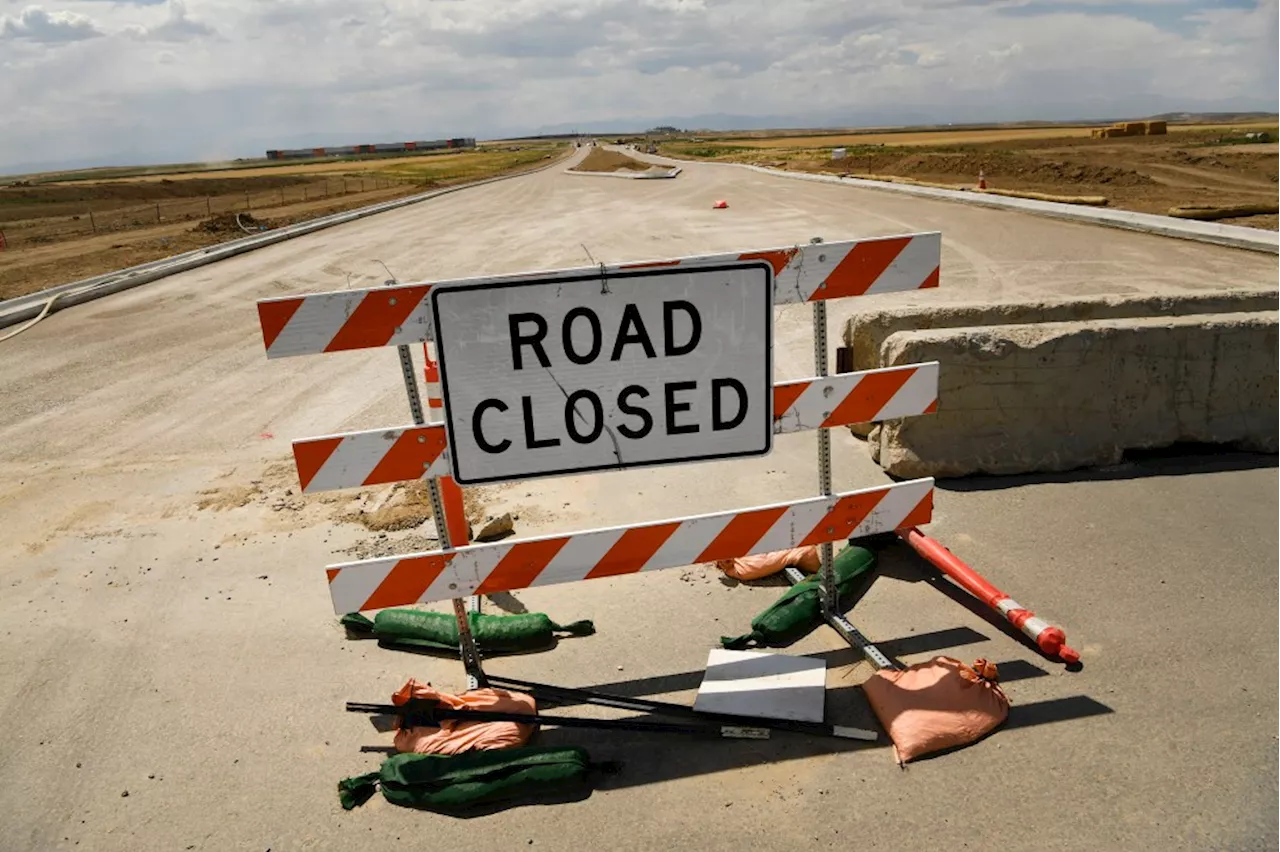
{"x": 137, "y": 80}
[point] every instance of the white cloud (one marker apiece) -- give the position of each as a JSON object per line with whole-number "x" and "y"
{"x": 35, "y": 24}
{"x": 295, "y": 72}
{"x": 176, "y": 27}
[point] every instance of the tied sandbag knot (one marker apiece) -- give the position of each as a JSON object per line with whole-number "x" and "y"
{"x": 982, "y": 670}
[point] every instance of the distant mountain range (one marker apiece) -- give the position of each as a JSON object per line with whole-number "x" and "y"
{"x": 924, "y": 117}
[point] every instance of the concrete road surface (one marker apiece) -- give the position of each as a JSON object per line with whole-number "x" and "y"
{"x": 172, "y": 677}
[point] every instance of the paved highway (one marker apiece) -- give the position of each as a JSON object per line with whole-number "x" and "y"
{"x": 164, "y": 611}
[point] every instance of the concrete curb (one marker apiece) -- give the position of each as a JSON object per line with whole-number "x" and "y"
{"x": 1233, "y": 236}
{"x": 28, "y": 307}
{"x": 630, "y": 175}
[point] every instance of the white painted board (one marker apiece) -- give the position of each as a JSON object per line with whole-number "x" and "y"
{"x": 591, "y": 372}
{"x": 763, "y": 685}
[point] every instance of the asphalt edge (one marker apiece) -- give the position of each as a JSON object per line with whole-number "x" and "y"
{"x": 670, "y": 173}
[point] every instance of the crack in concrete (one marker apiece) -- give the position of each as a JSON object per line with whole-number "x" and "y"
{"x": 617, "y": 448}
{"x": 799, "y": 274}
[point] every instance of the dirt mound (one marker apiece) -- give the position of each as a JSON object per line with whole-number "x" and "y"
{"x": 225, "y": 223}
{"x": 600, "y": 160}
{"x": 994, "y": 164}
{"x": 146, "y": 190}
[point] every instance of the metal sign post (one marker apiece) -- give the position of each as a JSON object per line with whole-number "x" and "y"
{"x": 466, "y": 642}
{"x": 830, "y": 593}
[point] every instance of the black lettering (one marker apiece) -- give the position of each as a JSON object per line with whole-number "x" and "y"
{"x": 668, "y": 327}
{"x": 717, "y": 424}
{"x": 571, "y": 408}
{"x": 519, "y": 338}
{"x": 632, "y": 331}
{"x": 478, "y": 432}
{"x": 597, "y": 341}
{"x": 526, "y": 403}
{"x": 646, "y": 419}
{"x": 670, "y": 389}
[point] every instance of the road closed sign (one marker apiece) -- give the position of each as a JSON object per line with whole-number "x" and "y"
{"x": 575, "y": 373}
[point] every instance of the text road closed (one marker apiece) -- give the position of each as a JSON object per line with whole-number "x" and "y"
{"x": 565, "y": 375}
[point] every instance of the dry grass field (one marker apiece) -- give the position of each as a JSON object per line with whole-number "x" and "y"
{"x": 63, "y": 227}
{"x": 1194, "y": 165}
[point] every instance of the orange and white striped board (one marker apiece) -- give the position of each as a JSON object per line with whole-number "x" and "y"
{"x": 505, "y": 566}
{"x": 400, "y": 314}
{"x": 379, "y": 456}
{"x": 868, "y": 396}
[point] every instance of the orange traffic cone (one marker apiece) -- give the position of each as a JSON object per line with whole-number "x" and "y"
{"x": 720, "y": 205}
{"x": 982, "y": 179}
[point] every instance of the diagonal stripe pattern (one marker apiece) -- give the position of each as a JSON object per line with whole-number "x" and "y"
{"x": 505, "y": 566}
{"x": 380, "y": 456}
{"x": 390, "y": 316}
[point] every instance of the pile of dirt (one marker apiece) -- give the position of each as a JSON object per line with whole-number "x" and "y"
{"x": 600, "y": 160}
{"x": 133, "y": 191}
{"x": 994, "y": 164}
{"x": 225, "y": 223}
{"x": 407, "y": 505}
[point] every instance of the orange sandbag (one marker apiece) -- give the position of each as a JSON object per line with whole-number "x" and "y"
{"x": 764, "y": 564}
{"x": 454, "y": 735}
{"x": 937, "y": 705}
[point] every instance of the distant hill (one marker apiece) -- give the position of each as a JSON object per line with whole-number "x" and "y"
{"x": 1214, "y": 117}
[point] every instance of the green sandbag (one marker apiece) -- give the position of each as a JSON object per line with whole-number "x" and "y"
{"x": 459, "y": 781}
{"x": 494, "y": 634}
{"x": 800, "y": 610}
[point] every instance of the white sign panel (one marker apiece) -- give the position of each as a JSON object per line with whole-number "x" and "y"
{"x": 568, "y": 374}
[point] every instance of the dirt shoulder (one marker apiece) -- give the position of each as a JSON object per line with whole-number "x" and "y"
{"x": 55, "y": 232}
{"x": 1149, "y": 174}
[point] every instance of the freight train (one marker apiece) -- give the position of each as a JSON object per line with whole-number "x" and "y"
{"x": 383, "y": 148}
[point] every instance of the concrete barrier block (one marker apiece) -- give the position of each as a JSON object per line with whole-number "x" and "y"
{"x": 1058, "y": 396}
{"x": 866, "y": 332}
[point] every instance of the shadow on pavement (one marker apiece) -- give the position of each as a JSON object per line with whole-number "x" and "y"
{"x": 1178, "y": 460}
{"x": 650, "y": 758}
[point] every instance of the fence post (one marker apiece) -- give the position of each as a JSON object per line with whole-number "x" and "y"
{"x": 208, "y": 205}
{"x": 93, "y": 225}
{"x": 247, "y": 204}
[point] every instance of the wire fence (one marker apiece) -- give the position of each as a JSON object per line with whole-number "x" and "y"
{"x": 48, "y": 229}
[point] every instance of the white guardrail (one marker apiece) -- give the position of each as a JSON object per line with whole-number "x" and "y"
{"x": 24, "y": 308}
